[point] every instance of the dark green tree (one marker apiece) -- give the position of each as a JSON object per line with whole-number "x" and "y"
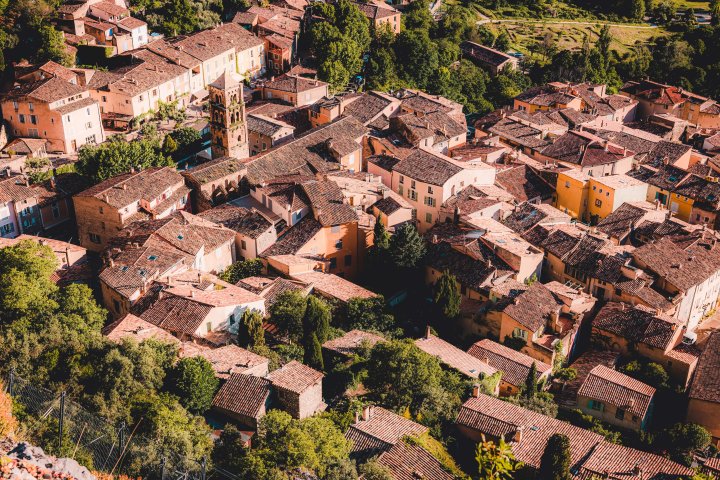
{"x": 242, "y": 269}
{"x": 419, "y": 57}
{"x": 118, "y": 156}
{"x": 407, "y": 248}
{"x": 530, "y": 390}
{"x": 555, "y": 460}
{"x": 169, "y": 145}
{"x": 52, "y": 46}
{"x": 250, "y": 329}
{"x": 447, "y": 296}
{"x": 369, "y": 314}
{"x": 313, "y": 353}
{"x": 637, "y": 9}
{"x": 195, "y": 383}
{"x": 496, "y": 460}
{"x": 715, "y": 13}
{"x": 288, "y": 312}
{"x": 381, "y": 237}
{"x": 317, "y": 318}
{"x": 185, "y": 137}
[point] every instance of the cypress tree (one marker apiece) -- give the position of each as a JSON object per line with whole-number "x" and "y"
{"x": 447, "y": 296}
{"x": 317, "y": 319}
{"x": 407, "y": 248}
{"x": 381, "y": 236}
{"x": 313, "y": 353}
{"x": 555, "y": 461}
{"x": 531, "y": 382}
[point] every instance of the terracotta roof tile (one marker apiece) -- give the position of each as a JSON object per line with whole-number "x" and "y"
{"x": 227, "y": 360}
{"x": 514, "y": 365}
{"x": 616, "y": 462}
{"x": 706, "y": 383}
{"x": 243, "y": 395}
{"x": 455, "y": 358}
{"x": 637, "y": 324}
{"x": 131, "y": 326}
{"x": 295, "y": 377}
{"x": 410, "y": 462}
{"x": 615, "y": 388}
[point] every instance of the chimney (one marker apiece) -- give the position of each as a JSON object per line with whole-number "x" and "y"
{"x": 637, "y": 470}
{"x": 517, "y": 436}
{"x": 366, "y": 413}
{"x": 357, "y": 417}
{"x": 160, "y": 295}
{"x": 192, "y": 292}
{"x": 516, "y": 301}
{"x": 111, "y": 262}
{"x": 427, "y": 332}
{"x": 476, "y": 391}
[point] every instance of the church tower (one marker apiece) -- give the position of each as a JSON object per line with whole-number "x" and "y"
{"x": 228, "y": 125}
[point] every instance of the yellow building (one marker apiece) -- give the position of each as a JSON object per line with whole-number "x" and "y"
{"x": 591, "y": 199}
{"x": 571, "y": 192}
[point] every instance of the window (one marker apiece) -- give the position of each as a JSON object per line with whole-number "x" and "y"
{"x": 102, "y": 210}
{"x": 15, "y": 104}
{"x": 412, "y": 194}
{"x": 55, "y": 210}
{"x": 430, "y": 201}
{"x": 22, "y": 118}
{"x": 104, "y": 98}
{"x": 5, "y": 229}
{"x": 243, "y": 245}
{"x": 155, "y": 92}
{"x": 400, "y": 189}
{"x": 94, "y": 238}
{"x": 620, "y": 414}
{"x": 520, "y": 333}
{"x": 33, "y": 133}
{"x": 33, "y": 119}
{"x": 333, "y": 263}
{"x": 430, "y": 190}
{"x": 141, "y": 98}
{"x": 412, "y": 184}
{"x": 88, "y": 125}
{"x": 595, "y": 405}
{"x": 598, "y": 203}
{"x": 116, "y": 306}
{"x": 428, "y": 217}
{"x": 348, "y": 260}
{"x": 231, "y": 319}
{"x": 402, "y": 179}
{"x": 339, "y": 244}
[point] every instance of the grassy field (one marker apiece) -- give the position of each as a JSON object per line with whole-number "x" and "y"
{"x": 570, "y": 36}
{"x": 697, "y": 6}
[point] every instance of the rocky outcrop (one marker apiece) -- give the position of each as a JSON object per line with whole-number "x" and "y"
{"x": 22, "y": 461}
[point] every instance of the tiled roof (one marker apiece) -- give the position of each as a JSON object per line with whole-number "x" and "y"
{"x": 583, "y": 365}
{"x": 351, "y": 341}
{"x": 455, "y": 358}
{"x": 367, "y": 106}
{"x": 519, "y": 133}
{"x": 265, "y": 125}
{"x": 334, "y": 286}
{"x": 495, "y": 417}
{"x": 295, "y": 377}
{"x": 706, "y": 383}
{"x": 533, "y": 307}
{"x": 407, "y": 461}
{"x": 438, "y": 125}
{"x": 523, "y": 183}
{"x": 131, "y": 326}
{"x": 226, "y": 360}
{"x": 271, "y": 289}
{"x": 667, "y": 177}
{"x": 294, "y": 84}
{"x": 207, "y": 44}
{"x": 386, "y": 426}
{"x": 128, "y": 188}
{"x": 471, "y": 272}
{"x": 585, "y": 149}
{"x": 306, "y": 154}
{"x": 47, "y": 90}
{"x": 427, "y": 167}
{"x": 634, "y": 143}
{"x": 617, "y": 462}
{"x": 637, "y": 324}
{"x": 177, "y": 314}
{"x": 295, "y": 238}
{"x": 328, "y": 203}
{"x": 683, "y": 268}
{"x": 514, "y": 365}
{"x": 615, "y": 388}
{"x": 623, "y": 220}
{"x": 242, "y": 220}
{"x": 484, "y": 54}
{"x": 216, "y": 169}
{"x": 387, "y": 205}
{"x": 375, "y": 10}
{"x": 243, "y": 395}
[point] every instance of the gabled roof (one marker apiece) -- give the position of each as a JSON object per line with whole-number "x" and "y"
{"x": 380, "y": 431}
{"x": 523, "y": 183}
{"x": 351, "y": 341}
{"x": 46, "y": 90}
{"x": 637, "y": 324}
{"x": 706, "y": 383}
{"x": 427, "y": 167}
{"x": 294, "y": 84}
{"x": 239, "y": 219}
{"x": 122, "y": 190}
{"x": 453, "y": 357}
{"x": 407, "y": 461}
{"x": 514, "y": 365}
{"x": 617, "y": 462}
{"x": 131, "y": 326}
{"x": 295, "y": 377}
{"x": 216, "y": 169}
{"x": 615, "y": 388}
{"x": 533, "y": 308}
{"x": 243, "y": 395}
{"x": 483, "y": 54}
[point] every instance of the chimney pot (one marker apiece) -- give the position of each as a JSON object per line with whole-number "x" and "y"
{"x": 366, "y": 413}
{"x": 427, "y": 332}
{"x": 476, "y": 391}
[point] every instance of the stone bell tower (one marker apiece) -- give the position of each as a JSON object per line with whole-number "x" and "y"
{"x": 228, "y": 125}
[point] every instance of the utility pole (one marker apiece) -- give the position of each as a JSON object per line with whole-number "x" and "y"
{"x": 61, "y": 423}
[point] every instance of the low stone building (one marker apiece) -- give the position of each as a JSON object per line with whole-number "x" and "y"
{"x": 244, "y": 398}
{"x": 298, "y": 389}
